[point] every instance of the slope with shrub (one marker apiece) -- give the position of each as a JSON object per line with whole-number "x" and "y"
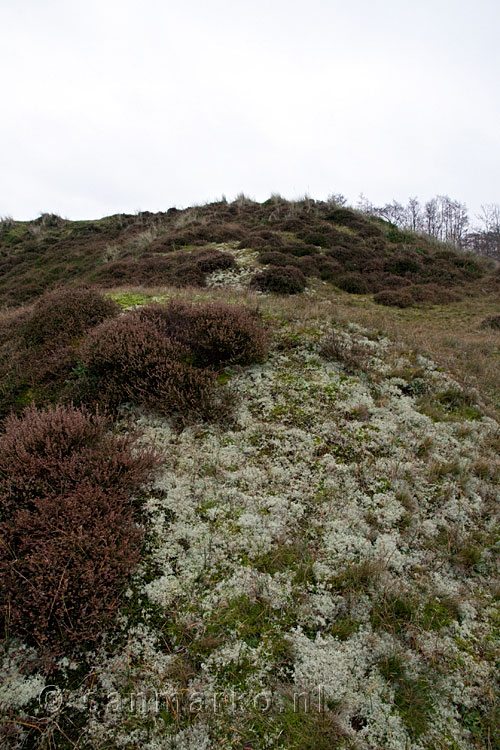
{"x": 356, "y": 252}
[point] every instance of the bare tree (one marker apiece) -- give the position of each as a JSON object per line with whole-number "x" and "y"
{"x": 454, "y": 218}
{"x": 490, "y": 217}
{"x": 485, "y": 239}
{"x": 432, "y": 218}
{"x": 414, "y": 213}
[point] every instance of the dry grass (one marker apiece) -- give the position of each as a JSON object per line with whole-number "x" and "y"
{"x": 450, "y": 334}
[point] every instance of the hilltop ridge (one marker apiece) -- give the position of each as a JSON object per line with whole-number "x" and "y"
{"x": 320, "y": 240}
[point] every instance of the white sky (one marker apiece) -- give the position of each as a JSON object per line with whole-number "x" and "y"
{"x": 111, "y": 106}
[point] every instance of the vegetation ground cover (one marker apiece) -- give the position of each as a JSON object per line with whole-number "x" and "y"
{"x": 316, "y": 564}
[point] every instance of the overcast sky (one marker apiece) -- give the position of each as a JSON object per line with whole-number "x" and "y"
{"x": 116, "y": 106}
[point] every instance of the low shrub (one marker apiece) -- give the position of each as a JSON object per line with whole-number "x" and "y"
{"x": 492, "y": 321}
{"x": 129, "y": 360}
{"x": 259, "y": 240}
{"x": 66, "y": 314}
{"x": 181, "y": 268}
{"x": 76, "y": 551}
{"x": 279, "y": 280}
{"x": 395, "y": 298}
{"x": 214, "y": 334}
{"x": 69, "y": 535}
{"x": 52, "y": 451}
{"x": 299, "y": 249}
{"x": 210, "y": 260}
{"x": 275, "y": 258}
{"x": 354, "y": 283}
{"x": 320, "y": 266}
{"x": 402, "y": 263}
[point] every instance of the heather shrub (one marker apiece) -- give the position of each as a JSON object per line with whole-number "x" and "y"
{"x": 492, "y": 321}
{"x": 279, "y": 280}
{"x": 321, "y": 266}
{"x": 395, "y": 298}
{"x": 214, "y": 334}
{"x": 210, "y": 260}
{"x": 275, "y": 258}
{"x": 76, "y": 551}
{"x": 47, "y": 452}
{"x": 181, "y": 268}
{"x": 358, "y": 258}
{"x": 186, "y": 273}
{"x": 379, "y": 282}
{"x": 66, "y": 314}
{"x": 130, "y": 360}
{"x": 299, "y": 249}
{"x": 69, "y": 536}
{"x": 402, "y": 263}
{"x": 262, "y": 239}
{"x": 354, "y": 283}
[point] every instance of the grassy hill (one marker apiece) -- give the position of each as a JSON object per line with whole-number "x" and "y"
{"x": 280, "y": 529}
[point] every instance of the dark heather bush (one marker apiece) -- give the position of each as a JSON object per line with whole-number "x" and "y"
{"x": 492, "y": 321}
{"x": 76, "y": 551}
{"x": 46, "y": 452}
{"x": 321, "y": 266}
{"x": 402, "y": 263}
{"x": 275, "y": 258}
{"x": 181, "y": 268}
{"x": 66, "y": 314}
{"x": 299, "y": 249}
{"x": 214, "y": 260}
{"x": 354, "y": 283}
{"x": 66, "y": 520}
{"x": 379, "y": 282}
{"x": 214, "y": 334}
{"x": 263, "y": 239}
{"x": 280, "y": 280}
{"x": 130, "y": 360}
{"x": 395, "y": 298}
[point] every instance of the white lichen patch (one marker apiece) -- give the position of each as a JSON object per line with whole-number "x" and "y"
{"x": 234, "y": 278}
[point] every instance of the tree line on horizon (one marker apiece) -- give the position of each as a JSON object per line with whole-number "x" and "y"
{"x": 442, "y": 218}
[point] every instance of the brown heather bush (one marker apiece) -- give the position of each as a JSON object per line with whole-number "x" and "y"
{"x": 263, "y": 239}
{"x": 279, "y": 280}
{"x": 210, "y": 260}
{"x": 130, "y": 360}
{"x": 65, "y": 565}
{"x": 66, "y": 314}
{"x": 181, "y": 268}
{"x": 492, "y": 321}
{"x": 395, "y": 298}
{"x": 321, "y": 266}
{"x": 46, "y": 452}
{"x": 354, "y": 283}
{"x": 276, "y": 258}
{"x": 38, "y": 349}
{"x": 214, "y": 334}
{"x": 69, "y": 536}
{"x": 299, "y": 249}
{"x": 318, "y": 265}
